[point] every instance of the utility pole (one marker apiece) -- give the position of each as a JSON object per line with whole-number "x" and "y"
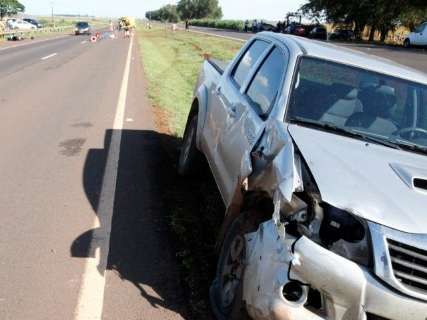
{"x": 53, "y": 22}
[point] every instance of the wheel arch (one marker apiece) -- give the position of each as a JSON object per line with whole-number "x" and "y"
{"x": 258, "y": 203}
{"x": 199, "y": 107}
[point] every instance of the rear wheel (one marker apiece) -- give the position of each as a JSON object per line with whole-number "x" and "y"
{"x": 189, "y": 158}
{"x": 407, "y": 43}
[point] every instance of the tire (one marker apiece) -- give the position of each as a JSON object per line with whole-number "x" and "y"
{"x": 225, "y": 294}
{"x": 189, "y": 158}
{"x": 407, "y": 43}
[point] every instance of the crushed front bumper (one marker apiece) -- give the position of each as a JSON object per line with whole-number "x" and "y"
{"x": 349, "y": 291}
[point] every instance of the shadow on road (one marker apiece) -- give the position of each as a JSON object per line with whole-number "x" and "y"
{"x": 140, "y": 243}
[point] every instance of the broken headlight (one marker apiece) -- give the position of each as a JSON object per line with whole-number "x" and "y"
{"x": 346, "y": 235}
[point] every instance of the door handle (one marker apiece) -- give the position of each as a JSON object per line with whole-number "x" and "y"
{"x": 232, "y": 110}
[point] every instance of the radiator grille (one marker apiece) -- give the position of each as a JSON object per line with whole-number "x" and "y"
{"x": 409, "y": 265}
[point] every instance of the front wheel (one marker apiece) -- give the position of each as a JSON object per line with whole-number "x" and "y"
{"x": 407, "y": 43}
{"x": 227, "y": 289}
{"x": 189, "y": 157}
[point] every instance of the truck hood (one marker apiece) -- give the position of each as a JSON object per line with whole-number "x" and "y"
{"x": 369, "y": 180}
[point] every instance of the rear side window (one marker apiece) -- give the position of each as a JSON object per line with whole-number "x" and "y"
{"x": 265, "y": 86}
{"x": 248, "y": 61}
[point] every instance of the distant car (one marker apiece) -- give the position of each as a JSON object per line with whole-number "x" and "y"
{"x": 418, "y": 37}
{"x": 82, "y": 28}
{"x": 318, "y": 33}
{"x": 33, "y": 22}
{"x": 263, "y": 26}
{"x": 17, "y": 24}
{"x": 296, "y": 29}
{"x": 342, "y": 34}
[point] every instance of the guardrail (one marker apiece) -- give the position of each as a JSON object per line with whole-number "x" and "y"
{"x": 29, "y": 33}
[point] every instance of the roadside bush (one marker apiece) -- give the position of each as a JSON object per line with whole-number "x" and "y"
{"x": 237, "y": 25}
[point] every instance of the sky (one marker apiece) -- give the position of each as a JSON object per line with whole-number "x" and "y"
{"x": 232, "y": 9}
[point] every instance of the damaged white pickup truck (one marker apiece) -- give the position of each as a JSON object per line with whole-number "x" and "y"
{"x": 320, "y": 155}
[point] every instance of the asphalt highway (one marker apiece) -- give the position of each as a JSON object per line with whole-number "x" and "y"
{"x": 78, "y": 148}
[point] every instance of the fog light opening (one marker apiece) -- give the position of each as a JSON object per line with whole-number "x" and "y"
{"x": 293, "y": 291}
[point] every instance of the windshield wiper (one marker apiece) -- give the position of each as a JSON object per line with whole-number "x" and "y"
{"x": 346, "y": 132}
{"x": 411, "y": 146}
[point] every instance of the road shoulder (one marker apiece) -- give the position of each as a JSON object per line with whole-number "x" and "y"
{"x": 142, "y": 274}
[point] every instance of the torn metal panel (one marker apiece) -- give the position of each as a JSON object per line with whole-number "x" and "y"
{"x": 278, "y": 167}
{"x": 349, "y": 292}
{"x": 269, "y": 255}
{"x": 342, "y": 281}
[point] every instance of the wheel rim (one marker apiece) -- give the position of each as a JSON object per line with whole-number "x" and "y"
{"x": 232, "y": 271}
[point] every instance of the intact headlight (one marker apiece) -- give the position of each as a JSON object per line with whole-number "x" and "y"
{"x": 346, "y": 235}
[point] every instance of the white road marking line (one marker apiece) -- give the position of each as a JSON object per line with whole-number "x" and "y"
{"x": 83, "y": 42}
{"x": 49, "y": 56}
{"x": 129, "y": 120}
{"x": 91, "y": 295}
{"x": 218, "y": 36}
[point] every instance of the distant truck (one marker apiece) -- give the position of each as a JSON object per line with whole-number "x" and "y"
{"x": 319, "y": 153}
{"x": 128, "y": 22}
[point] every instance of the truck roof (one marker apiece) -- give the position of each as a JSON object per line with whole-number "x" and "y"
{"x": 328, "y": 51}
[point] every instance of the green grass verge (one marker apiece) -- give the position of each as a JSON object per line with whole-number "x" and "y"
{"x": 238, "y": 25}
{"x": 71, "y": 21}
{"x": 172, "y": 61}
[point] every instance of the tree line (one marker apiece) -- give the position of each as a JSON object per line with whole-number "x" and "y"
{"x": 187, "y": 10}
{"x": 10, "y": 7}
{"x": 380, "y": 15}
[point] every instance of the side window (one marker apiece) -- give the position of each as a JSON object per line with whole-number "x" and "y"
{"x": 248, "y": 61}
{"x": 423, "y": 110}
{"x": 264, "y": 88}
{"x": 421, "y": 28}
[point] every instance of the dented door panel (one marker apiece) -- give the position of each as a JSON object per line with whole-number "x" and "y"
{"x": 242, "y": 132}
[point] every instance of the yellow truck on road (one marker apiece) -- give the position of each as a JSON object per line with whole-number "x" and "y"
{"x": 128, "y": 22}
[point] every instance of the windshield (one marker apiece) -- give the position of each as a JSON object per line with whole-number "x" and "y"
{"x": 361, "y": 101}
{"x": 82, "y": 25}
